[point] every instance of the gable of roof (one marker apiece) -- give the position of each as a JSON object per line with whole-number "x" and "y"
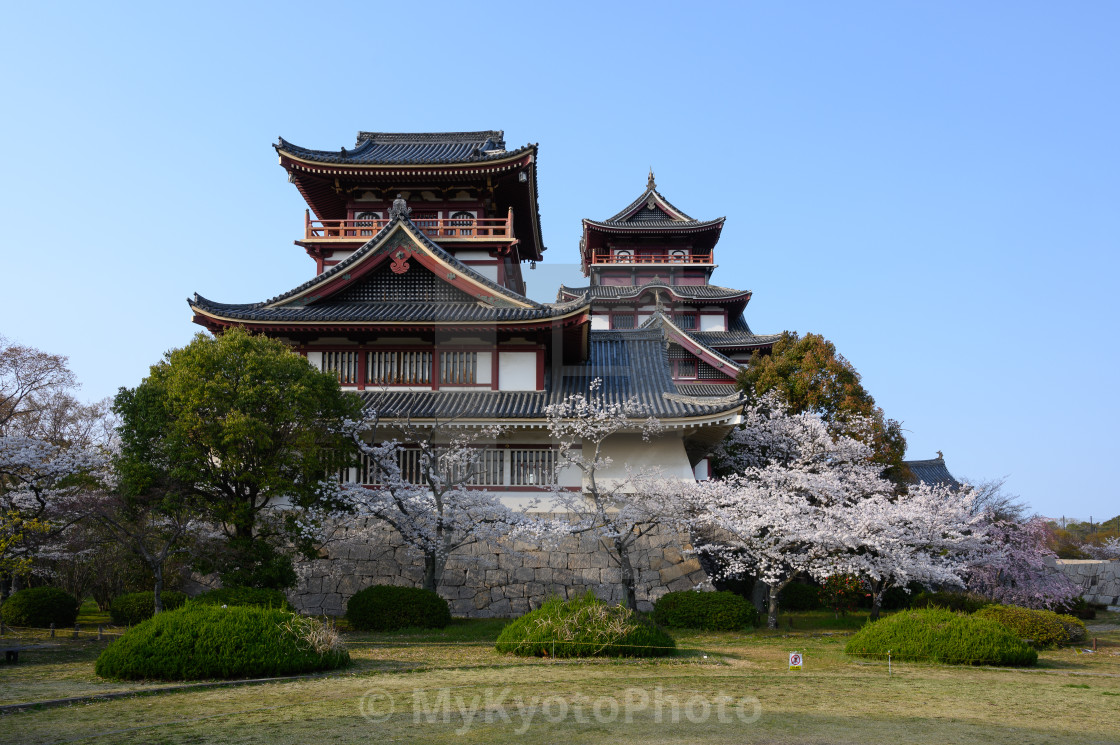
{"x": 932, "y": 471}
{"x": 400, "y": 246}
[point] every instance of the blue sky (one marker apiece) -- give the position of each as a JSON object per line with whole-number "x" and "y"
{"x": 933, "y": 186}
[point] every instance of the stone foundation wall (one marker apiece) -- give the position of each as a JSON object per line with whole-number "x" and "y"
{"x": 1099, "y": 580}
{"x": 488, "y": 581}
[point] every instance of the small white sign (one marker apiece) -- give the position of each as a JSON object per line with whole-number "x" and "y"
{"x": 794, "y": 660}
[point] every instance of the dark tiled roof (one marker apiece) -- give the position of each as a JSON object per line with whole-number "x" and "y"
{"x": 255, "y": 310}
{"x": 658, "y": 218}
{"x": 933, "y": 471}
{"x": 384, "y": 148}
{"x": 707, "y": 389}
{"x": 611, "y": 292}
{"x": 630, "y": 364}
{"x": 420, "y": 312}
{"x": 733, "y": 338}
{"x": 688, "y": 225}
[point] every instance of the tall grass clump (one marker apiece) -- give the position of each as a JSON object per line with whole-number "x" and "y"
{"x": 584, "y": 627}
{"x": 940, "y": 635}
{"x": 199, "y": 642}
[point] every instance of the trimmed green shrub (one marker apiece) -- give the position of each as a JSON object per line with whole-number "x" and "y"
{"x": 711, "y": 611}
{"x": 1043, "y": 627}
{"x": 260, "y": 597}
{"x": 957, "y": 601}
{"x": 940, "y": 635}
{"x": 1074, "y": 626}
{"x": 199, "y": 642}
{"x": 389, "y": 607}
{"x": 797, "y": 596}
{"x": 40, "y": 607}
{"x": 584, "y": 627}
{"x": 133, "y": 607}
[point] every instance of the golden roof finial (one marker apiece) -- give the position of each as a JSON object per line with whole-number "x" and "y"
{"x": 651, "y": 184}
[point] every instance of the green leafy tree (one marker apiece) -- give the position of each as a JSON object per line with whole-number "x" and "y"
{"x": 812, "y": 376}
{"x": 246, "y": 429}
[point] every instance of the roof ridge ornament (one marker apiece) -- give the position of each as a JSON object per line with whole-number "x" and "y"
{"x": 651, "y": 184}
{"x": 400, "y": 209}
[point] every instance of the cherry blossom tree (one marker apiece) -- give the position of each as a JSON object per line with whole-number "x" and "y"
{"x": 1015, "y": 568}
{"x": 785, "y": 510}
{"x": 925, "y": 534}
{"x": 42, "y": 485}
{"x": 419, "y": 483}
{"x": 618, "y": 508}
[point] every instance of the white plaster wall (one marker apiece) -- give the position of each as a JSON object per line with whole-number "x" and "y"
{"x": 490, "y": 271}
{"x": 485, "y": 367}
{"x": 473, "y": 256}
{"x": 600, "y": 322}
{"x": 666, "y": 452}
{"x": 517, "y": 371}
{"x": 712, "y": 322}
{"x": 315, "y": 359}
{"x": 642, "y": 318}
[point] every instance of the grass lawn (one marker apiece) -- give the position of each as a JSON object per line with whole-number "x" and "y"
{"x": 1070, "y": 697}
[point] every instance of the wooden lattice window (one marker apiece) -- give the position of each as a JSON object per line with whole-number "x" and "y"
{"x": 367, "y": 221}
{"x": 458, "y": 368}
{"x": 622, "y": 321}
{"x": 395, "y": 367}
{"x": 685, "y": 321}
{"x": 532, "y": 467}
{"x": 342, "y": 364}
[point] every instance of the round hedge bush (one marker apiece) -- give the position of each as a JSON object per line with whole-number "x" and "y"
{"x": 940, "y": 635}
{"x": 389, "y": 607}
{"x": 40, "y": 607}
{"x": 1043, "y": 627}
{"x": 710, "y": 611}
{"x": 201, "y": 642}
{"x": 584, "y": 627}
{"x": 259, "y": 597}
{"x": 133, "y": 607}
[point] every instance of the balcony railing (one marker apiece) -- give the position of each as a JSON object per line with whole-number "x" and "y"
{"x": 438, "y": 229}
{"x": 668, "y": 257}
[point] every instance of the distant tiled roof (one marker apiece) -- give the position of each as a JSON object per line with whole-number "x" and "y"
{"x": 423, "y": 148}
{"x": 629, "y": 364}
{"x": 612, "y": 292}
{"x": 932, "y": 472}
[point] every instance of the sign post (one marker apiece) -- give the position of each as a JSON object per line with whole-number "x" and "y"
{"x": 794, "y": 660}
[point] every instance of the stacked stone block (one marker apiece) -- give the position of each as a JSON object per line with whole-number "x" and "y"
{"x": 490, "y": 581}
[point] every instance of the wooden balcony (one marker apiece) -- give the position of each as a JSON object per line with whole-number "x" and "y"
{"x": 481, "y": 229}
{"x": 652, "y": 257}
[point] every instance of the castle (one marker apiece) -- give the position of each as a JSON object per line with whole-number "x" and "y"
{"x": 418, "y": 305}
